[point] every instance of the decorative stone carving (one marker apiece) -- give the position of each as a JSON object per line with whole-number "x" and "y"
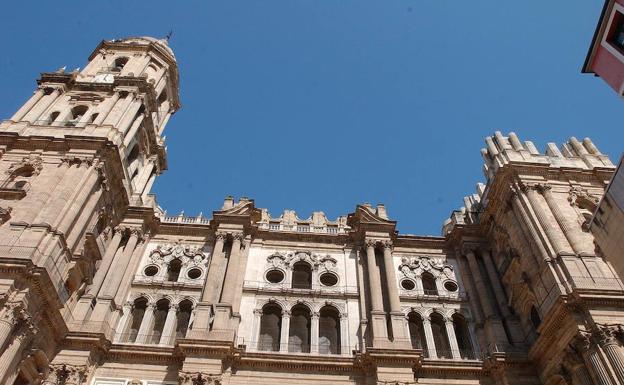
{"x": 579, "y": 197}
{"x": 5, "y": 214}
{"x": 286, "y": 261}
{"x": 198, "y": 378}
{"x": 415, "y": 266}
{"x": 66, "y": 374}
{"x": 189, "y": 255}
{"x": 34, "y": 161}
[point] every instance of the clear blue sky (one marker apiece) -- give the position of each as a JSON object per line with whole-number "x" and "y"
{"x": 323, "y": 104}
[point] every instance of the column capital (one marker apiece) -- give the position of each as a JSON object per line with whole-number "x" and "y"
{"x": 66, "y": 374}
{"x": 315, "y": 315}
{"x": 198, "y": 378}
{"x": 238, "y": 236}
{"x": 387, "y": 245}
{"x": 220, "y": 236}
{"x": 606, "y": 335}
{"x": 257, "y": 312}
{"x": 286, "y": 313}
{"x": 369, "y": 242}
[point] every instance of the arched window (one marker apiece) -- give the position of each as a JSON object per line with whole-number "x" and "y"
{"x": 160, "y": 316}
{"x": 270, "y": 328}
{"x": 302, "y": 275}
{"x": 417, "y": 332}
{"x": 535, "y": 318}
{"x": 53, "y": 116}
{"x": 440, "y": 337}
{"x": 429, "y": 284}
{"x": 75, "y": 115}
{"x": 463, "y": 336}
{"x": 183, "y": 318}
{"x": 20, "y": 178}
{"x": 329, "y": 330}
{"x": 173, "y": 270}
{"x": 119, "y": 64}
{"x": 299, "y": 336}
{"x": 136, "y": 318}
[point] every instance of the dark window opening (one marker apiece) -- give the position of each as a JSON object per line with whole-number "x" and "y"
{"x": 270, "y": 328}
{"x": 429, "y": 284}
{"x": 417, "y": 333}
{"x": 173, "y": 270}
{"x": 302, "y": 276}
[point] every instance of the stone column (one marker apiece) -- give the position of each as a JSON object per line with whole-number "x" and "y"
{"x": 571, "y": 230}
{"x": 42, "y": 105}
{"x": 613, "y": 351}
{"x": 314, "y": 333}
{"x": 450, "y": 332}
{"x": 117, "y": 110}
{"x": 285, "y": 334}
{"x": 70, "y": 215}
{"x": 231, "y": 274}
{"x": 111, "y": 250}
{"x": 133, "y": 130}
{"x": 146, "y": 324}
{"x": 110, "y": 105}
{"x": 393, "y": 291}
{"x": 12, "y": 355}
{"x": 553, "y": 232}
{"x": 255, "y": 337}
{"x": 120, "y": 264}
{"x": 345, "y": 349}
{"x": 499, "y": 292}
{"x": 573, "y": 363}
{"x": 373, "y": 277}
{"x": 212, "y": 288}
{"x": 583, "y": 344}
{"x": 378, "y": 316}
{"x": 429, "y": 338}
{"x": 12, "y": 313}
{"x": 126, "y": 120}
{"x": 488, "y": 309}
{"x": 166, "y": 337}
{"x": 28, "y": 105}
{"x": 121, "y": 325}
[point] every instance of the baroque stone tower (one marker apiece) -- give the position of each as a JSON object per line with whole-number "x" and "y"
{"x": 77, "y": 158}
{"x": 98, "y": 286}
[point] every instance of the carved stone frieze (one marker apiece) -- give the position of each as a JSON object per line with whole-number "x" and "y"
{"x": 62, "y": 374}
{"x": 33, "y": 161}
{"x": 415, "y": 266}
{"x": 189, "y": 255}
{"x": 286, "y": 261}
{"x": 198, "y": 378}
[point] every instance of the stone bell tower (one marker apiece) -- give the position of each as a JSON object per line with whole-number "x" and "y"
{"x": 74, "y": 159}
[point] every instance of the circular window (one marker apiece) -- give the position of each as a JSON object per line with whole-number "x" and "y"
{"x": 275, "y": 276}
{"x": 328, "y": 279}
{"x": 408, "y": 284}
{"x": 194, "y": 273}
{"x": 450, "y": 286}
{"x": 151, "y": 271}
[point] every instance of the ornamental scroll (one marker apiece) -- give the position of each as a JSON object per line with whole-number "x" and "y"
{"x": 415, "y": 266}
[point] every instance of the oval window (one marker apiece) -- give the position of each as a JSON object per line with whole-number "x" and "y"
{"x": 450, "y": 286}
{"x": 408, "y": 284}
{"x": 194, "y": 273}
{"x": 151, "y": 271}
{"x": 274, "y": 276}
{"x": 328, "y": 279}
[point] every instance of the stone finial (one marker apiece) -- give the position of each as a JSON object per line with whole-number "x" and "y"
{"x": 381, "y": 211}
{"x": 228, "y": 202}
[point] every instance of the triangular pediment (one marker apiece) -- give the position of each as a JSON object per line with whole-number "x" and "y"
{"x": 367, "y": 216}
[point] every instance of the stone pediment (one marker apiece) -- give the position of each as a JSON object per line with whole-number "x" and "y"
{"x": 367, "y": 216}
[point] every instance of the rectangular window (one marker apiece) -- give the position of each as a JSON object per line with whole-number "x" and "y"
{"x": 616, "y": 31}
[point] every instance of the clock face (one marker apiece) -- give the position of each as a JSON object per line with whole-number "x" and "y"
{"x": 103, "y": 78}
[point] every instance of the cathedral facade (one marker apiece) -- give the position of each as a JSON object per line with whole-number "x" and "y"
{"x": 99, "y": 286}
